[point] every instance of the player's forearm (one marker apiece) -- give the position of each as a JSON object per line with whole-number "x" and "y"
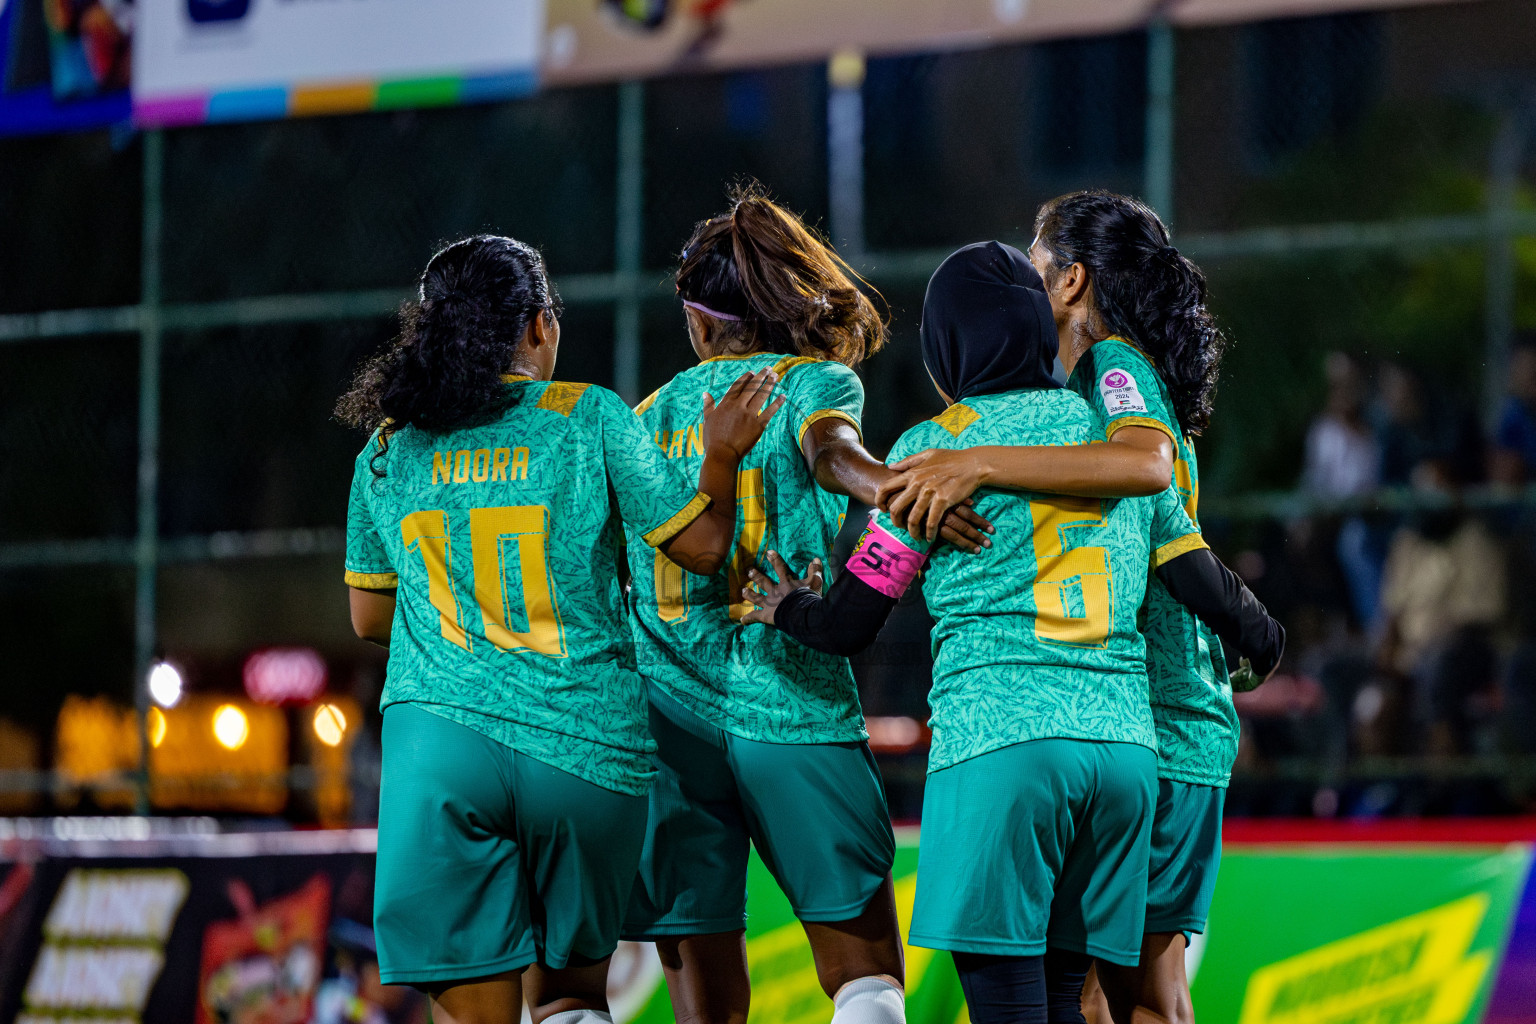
{"x": 1199, "y": 582}
{"x": 703, "y": 546}
{"x": 844, "y": 622}
{"x": 845, "y": 467}
{"x": 1091, "y": 471}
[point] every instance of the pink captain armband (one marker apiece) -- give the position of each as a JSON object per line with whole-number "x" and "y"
{"x": 884, "y": 562}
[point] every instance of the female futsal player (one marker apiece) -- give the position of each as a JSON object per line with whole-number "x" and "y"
{"x": 760, "y": 739}
{"x": 1142, "y": 347}
{"x": 483, "y": 539}
{"x": 1042, "y": 775}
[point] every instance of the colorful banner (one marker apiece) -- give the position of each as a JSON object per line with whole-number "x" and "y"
{"x": 600, "y": 40}
{"x": 238, "y": 60}
{"x": 1353, "y": 935}
{"x": 64, "y": 64}
{"x": 1401, "y": 928}
{"x": 195, "y": 929}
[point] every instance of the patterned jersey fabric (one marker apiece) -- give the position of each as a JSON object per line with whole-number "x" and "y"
{"x": 1036, "y": 636}
{"x": 504, "y": 542}
{"x": 1197, "y": 725}
{"x": 752, "y": 680}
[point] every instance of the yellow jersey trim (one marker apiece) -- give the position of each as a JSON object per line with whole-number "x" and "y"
{"x": 372, "y": 580}
{"x": 513, "y": 378}
{"x": 957, "y": 418}
{"x": 827, "y": 414}
{"x": 784, "y": 364}
{"x": 788, "y": 363}
{"x": 1142, "y": 421}
{"x": 561, "y": 397}
{"x": 1174, "y": 548}
{"x": 646, "y": 402}
{"x": 679, "y": 522}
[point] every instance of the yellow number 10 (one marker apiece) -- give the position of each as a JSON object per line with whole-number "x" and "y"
{"x": 1060, "y": 571}
{"x": 490, "y": 530}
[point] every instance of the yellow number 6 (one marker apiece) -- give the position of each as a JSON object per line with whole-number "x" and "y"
{"x": 1060, "y": 571}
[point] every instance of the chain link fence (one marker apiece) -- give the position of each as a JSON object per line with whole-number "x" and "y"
{"x": 178, "y": 313}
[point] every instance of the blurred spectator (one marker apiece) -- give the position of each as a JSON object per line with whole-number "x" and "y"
{"x": 1342, "y": 462}
{"x": 1443, "y": 592}
{"x": 1514, "y": 444}
{"x": 1342, "y": 457}
{"x": 1427, "y": 439}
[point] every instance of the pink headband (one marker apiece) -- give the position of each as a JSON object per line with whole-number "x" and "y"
{"x": 711, "y": 312}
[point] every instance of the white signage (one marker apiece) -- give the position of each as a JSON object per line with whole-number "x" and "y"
{"x": 202, "y": 60}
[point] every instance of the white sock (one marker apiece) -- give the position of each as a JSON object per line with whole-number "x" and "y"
{"x": 580, "y": 1017}
{"x": 870, "y": 1001}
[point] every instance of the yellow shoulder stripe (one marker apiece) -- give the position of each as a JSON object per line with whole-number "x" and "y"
{"x": 561, "y": 397}
{"x": 826, "y": 414}
{"x": 788, "y": 363}
{"x": 957, "y": 418}
{"x": 372, "y": 580}
{"x": 646, "y": 402}
{"x": 1174, "y": 548}
{"x": 674, "y": 526}
{"x": 1142, "y": 421}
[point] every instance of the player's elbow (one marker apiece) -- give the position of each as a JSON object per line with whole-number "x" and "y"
{"x": 1152, "y": 474}
{"x": 373, "y": 614}
{"x": 370, "y": 630}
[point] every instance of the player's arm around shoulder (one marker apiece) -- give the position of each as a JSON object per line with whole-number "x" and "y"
{"x": 730, "y": 429}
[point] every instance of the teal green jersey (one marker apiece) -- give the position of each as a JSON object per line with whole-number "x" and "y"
{"x": 1197, "y": 726}
{"x": 504, "y": 542}
{"x": 752, "y": 681}
{"x": 1036, "y": 637}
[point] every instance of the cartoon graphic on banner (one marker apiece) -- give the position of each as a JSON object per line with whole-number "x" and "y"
{"x": 89, "y": 43}
{"x": 263, "y": 967}
{"x": 64, "y": 64}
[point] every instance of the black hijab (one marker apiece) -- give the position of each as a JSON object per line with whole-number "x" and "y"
{"x": 987, "y": 324}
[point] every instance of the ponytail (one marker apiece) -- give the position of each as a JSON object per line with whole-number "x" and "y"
{"x": 778, "y": 284}
{"x": 1144, "y": 291}
{"x": 444, "y": 370}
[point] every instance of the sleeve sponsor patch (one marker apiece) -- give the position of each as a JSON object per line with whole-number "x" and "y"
{"x": 884, "y": 562}
{"x": 1120, "y": 393}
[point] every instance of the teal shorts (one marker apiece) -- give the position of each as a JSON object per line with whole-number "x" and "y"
{"x": 1039, "y": 844}
{"x": 1186, "y": 851}
{"x": 815, "y": 812}
{"x": 490, "y": 860}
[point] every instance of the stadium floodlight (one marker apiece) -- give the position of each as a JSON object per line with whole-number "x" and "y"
{"x": 157, "y": 727}
{"x": 230, "y": 727}
{"x": 330, "y": 724}
{"x": 165, "y": 684}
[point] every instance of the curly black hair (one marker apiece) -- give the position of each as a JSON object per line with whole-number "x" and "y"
{"x": 1145, "y": 291}
{"x": 443, "y": 371}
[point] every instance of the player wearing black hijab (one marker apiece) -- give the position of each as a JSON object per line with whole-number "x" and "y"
{"x": 1042, "y": 774}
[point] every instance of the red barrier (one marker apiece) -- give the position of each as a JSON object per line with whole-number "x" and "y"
{"x": 1480, "y": 831}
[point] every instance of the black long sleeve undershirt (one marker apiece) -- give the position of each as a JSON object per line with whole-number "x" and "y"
{"x": 1199, "y": 582}
{"x": 850, "y": 616}
{"x": 844, "y": 622}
